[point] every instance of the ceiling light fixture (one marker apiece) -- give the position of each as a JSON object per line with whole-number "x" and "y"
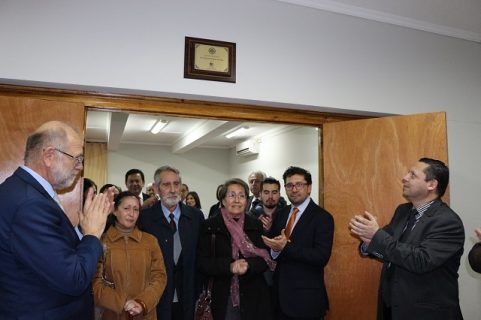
{"x": 237, "y": 132}
{"x": 159, "y": 125}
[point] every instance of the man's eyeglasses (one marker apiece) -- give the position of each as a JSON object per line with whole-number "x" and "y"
{"x": 298, "y": 185}
{"x": 78, "y": 159}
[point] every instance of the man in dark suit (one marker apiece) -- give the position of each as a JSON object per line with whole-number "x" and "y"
{"x": 177, "y": 228}
{"x": 254, "y": 180}
{"x": 421, "y": 249}
{"x": 135, "y": 181}
{"x": 46, "y": 267}
{"x": 301, "y": 242}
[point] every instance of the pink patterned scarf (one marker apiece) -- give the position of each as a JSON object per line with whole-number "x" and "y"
{"x": 242, "y": 244}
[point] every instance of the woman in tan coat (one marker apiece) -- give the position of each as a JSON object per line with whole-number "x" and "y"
{"x": 131, "y": 277}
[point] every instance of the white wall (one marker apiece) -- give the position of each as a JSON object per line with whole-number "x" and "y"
{"x": 201, "y": 169}
{"x": 286, "y": 56}
{"x": 297, "y": 146}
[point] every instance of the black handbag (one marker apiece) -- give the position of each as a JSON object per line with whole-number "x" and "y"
{"x": 203, "y": 309}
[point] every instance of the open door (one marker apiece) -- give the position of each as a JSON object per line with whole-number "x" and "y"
{"x": 364, "y": 161}
{"x": 18, "y": 118}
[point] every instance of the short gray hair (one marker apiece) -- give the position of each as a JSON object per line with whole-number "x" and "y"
{"x": 165, "y": 168}
{"x": 39, "y": 140}
{"x": 261, "y": 174}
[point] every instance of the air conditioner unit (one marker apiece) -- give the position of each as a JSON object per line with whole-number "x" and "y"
{"x": 247, "y": 148}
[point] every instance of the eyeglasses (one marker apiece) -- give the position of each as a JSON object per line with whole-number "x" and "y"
{"x": 298, "y": 185}
{"x": 77, "y": 159}
{"x": 233, "y": 195}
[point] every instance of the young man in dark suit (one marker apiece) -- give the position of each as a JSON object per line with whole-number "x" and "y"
{"x": 177, "y": 228}
{"x": 301, "y": 242}
{"x": 47, "y": 265}
{"x": 420, "y": 248}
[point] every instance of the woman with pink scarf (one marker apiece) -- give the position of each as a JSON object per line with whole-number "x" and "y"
{"x": 239, "y": 290}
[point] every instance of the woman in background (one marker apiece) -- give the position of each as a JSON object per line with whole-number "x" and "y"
{"x": 240, "y": 258}
{"x": 131, "y": 277}
{"x": 192, "y": 200}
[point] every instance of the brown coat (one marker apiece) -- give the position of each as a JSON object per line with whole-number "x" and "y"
{"x": 136, "y": 266}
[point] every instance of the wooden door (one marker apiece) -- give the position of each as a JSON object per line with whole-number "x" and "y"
{"x": 18, "y": 118}
{"x": 364, "y": 161}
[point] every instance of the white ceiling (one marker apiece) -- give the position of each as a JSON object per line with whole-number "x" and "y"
{"x": 455, "y": 18}
{"x": 182, "y": 134}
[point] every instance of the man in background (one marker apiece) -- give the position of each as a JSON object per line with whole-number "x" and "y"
{"x": 184, "y": 190}
{"x": 46, "y": 270}
{"x": 301, "y": 242}
{"x": 254, "y": 179}
{"x": 270, "y": 196}
{"x": 135, "y": 181}
{"x": 177, "y": 228}
{"x": 420, "y": 248}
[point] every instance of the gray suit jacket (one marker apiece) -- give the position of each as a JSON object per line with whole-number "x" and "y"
{"x": 420, "y": 274}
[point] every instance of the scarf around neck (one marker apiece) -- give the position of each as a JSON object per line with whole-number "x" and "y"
{"x": 241, "y": 244}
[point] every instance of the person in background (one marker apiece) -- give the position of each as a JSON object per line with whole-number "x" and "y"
{"x": 420, "y": 249}
{"x": 150, "y": 191}
{"x": 270, "y": 196}
{"x": 116, "y": 190}
{"x": 184, "y": 190}
{"x": 192, "y": 200}
{"x": 301, "y": 239}
{"x": 215, "y": 208}
{"x": 135, "y": 181}
{"x": 177, "y": 229}
{"x": 131, "y": 277}
{"x": 240, "y": 259}
{"x": 88, "y": 183}
{"x": 46, "y": 269}
{"x": 106, "y": 186}
{"x": 255, "y": 178}
{"x": 474, "y": 256}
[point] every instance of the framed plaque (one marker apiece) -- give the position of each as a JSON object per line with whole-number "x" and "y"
{"x": 209, "y": 60}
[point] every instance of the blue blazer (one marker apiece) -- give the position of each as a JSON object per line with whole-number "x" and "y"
{"x": 299, "y": 275}
{"x": 45, "y": 270}
{"x": 153, "y": 221}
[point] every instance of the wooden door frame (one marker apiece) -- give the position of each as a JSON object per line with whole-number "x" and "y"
{"x": 120, "y": 102}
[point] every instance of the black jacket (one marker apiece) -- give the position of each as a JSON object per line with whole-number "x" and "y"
{"x": 254, "y": 293}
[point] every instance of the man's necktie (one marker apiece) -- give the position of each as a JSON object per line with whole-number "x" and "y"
{"x": 290, "y": 223}
{"x": 173, "y": 226}
{"x": 409, "y": 226}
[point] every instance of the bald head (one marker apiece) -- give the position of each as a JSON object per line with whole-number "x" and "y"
{"x": 55, "y": 151}
{"x": 55, "y": 134}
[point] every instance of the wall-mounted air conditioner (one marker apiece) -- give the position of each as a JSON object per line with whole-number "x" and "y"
{"x": 247, "y": 148}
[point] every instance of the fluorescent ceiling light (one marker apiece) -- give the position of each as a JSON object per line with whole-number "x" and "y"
{"x": 159, "y": 125}
{"x": 237, "y": 132}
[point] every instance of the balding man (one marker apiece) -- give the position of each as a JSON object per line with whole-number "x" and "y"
{"x": 46, "y": 267}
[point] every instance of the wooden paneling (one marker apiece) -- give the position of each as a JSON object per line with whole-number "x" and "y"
{"x": 21, "y": 116}
{"x": 178, "y": 107}
{"x": 364, "y": 162}
{"x": 95, "y": 164}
